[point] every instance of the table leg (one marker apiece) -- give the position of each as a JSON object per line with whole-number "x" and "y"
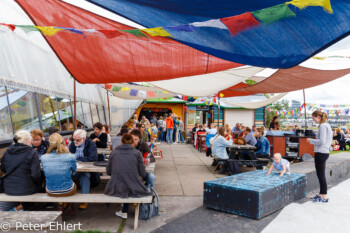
{"x": 136, "y": 220}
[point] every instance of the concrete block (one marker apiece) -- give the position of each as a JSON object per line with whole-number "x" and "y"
{"x": 253, "y": 194}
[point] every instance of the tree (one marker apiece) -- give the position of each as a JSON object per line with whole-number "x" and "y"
{"x": 278, "y": 105}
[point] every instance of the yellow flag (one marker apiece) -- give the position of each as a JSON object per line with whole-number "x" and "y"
{"x": 156, "y": 31}
{"x": 319, "y": 58}
{"x": 125, "y": 89}
{"x": 221, "y": 95}
{"x": 301, "y": 4}
{"x": 165, "y": 92}
{"x": 48, "y": 31}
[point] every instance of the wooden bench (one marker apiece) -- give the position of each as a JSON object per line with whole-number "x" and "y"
{"x": 149, "y": 168}
{"x": 42, "y": 220}
{"x": 78, "y": 198}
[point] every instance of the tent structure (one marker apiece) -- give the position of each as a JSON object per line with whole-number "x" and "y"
{"x": 284, "y": 35}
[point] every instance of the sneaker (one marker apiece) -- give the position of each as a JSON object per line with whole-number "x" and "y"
{"x": 321, "y": 200}
{"x": 315, "y": 198}
{"x": 175, "y": 143}
{"x": 121, "y": 214}
{"x": 83, "y": 206}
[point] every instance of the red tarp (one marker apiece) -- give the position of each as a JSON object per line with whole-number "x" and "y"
{"x": 121, "y": 59}
{"x": 286, "y": 80}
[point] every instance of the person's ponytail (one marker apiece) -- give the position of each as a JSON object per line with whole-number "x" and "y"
{"x": 322, "y": 115}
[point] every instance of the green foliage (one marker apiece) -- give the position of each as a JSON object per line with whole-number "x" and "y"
{"x": 278, "y": 105}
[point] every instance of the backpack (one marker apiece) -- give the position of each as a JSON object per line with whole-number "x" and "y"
{"x": 233, "y": 168}
{"x": 148, "y": 210}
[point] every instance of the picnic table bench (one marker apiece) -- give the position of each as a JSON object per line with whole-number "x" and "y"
{"x": 249, "y": 159}
{"x": 105, "y": 151}
{"x": 78, "y": 198}
{"x": 15, "y": 220}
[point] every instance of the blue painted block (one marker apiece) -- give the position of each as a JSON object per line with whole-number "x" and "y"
{"x": 253, "y": 194}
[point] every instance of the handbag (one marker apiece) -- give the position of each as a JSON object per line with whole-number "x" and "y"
{"x": 149, "y": 210}
{"x": 3, "y": 178}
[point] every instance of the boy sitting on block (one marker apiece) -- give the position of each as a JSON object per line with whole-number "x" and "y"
{"x": 281, "y": 165}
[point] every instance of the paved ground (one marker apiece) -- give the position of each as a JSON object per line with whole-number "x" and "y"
{"x": 179, "y": 182}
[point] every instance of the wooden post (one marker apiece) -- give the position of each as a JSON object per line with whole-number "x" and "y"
{"x": 304, "y": 104}
{"x": 136, "y": 220}
{"x": 75, "y": 106}
{"x": 109, "y": 113}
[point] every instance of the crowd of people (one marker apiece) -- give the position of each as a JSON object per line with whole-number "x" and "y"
{"x": 35, "y": 163}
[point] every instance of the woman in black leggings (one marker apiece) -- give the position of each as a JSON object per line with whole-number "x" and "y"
{"x": 322, "y": 144}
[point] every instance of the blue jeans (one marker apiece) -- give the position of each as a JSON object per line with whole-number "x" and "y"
{"x": 149, "y": 180}
{"x": 84, "y": 180}
{"x": 181, "y": 137}
{"x": 169, "y": 135}
{"x": 160, "y": 136}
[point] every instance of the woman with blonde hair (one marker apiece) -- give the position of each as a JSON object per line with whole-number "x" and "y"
{"x": 322, "y": 144}
{"x": 340, "y": 137}
{"x": 58, "y": 166}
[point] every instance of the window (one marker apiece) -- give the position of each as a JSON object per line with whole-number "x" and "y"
{"x": 94, "y": 113}
{"x": 101, "y": 114}
{"x": 87, "y": 115}
{"x": 65, "y": 112}
{"x": 5, "y": 126}
{"x": 23, "y": 110}
{"x": 49, "y": 114}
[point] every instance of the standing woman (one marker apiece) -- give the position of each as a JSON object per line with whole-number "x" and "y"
{"x": 322, "y": 144}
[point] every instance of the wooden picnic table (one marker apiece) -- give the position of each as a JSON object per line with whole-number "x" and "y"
{"x": 90, "y": 167}
{"x": 105, "y": 151}
{"x": 242, "y": 147}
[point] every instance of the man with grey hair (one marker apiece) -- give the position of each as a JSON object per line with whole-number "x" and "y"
{"x": 85, "y": 151}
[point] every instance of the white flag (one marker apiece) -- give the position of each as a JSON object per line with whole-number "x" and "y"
{"x": 214, "y": 23}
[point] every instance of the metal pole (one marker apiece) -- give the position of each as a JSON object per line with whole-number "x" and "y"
{"x": 305, "y": 109}
{"x": 75, "y": 106}
{"x": 58, "y": 113}
{"x": 9, "y": 109}
{"x": 109, "y": 113}
{"x": 39, "y": 112}
{"x": 218, "y": 111}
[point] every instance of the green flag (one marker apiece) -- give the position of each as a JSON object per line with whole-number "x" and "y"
{"x": 116, "y": 88}
{"x": 272, "y": 14}
{"x": 135, "y": 32}
{"x": 27, "y": 28}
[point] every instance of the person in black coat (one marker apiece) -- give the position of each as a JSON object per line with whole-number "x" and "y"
{"x": 126, "y": 167}
{"x": 22, "y": 165}
{"x": 98, "y": 137}
{"x": 85, "y": 151}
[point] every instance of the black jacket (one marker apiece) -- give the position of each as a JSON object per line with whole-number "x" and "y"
{"x": 25, "y": 179}
{"x": 90, "y": 151}
{"x": 103, "y": 140}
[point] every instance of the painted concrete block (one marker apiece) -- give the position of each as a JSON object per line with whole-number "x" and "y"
{"x": 253, "y": 194}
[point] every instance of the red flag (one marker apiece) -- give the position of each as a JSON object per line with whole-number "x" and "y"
{"x": 185, "y": 97}
{"x": 10, "y": 26}
{"x": 240, "y": 23}
{"x": 299, "y": 108}
{"x": 110, "y": 33}
{"x": 108, "y": 86}
{"x": 304, "y": 104}
{"x": 150, "y": 93}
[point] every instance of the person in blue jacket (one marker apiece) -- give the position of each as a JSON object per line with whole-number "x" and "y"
{"x": 262, "y": 145}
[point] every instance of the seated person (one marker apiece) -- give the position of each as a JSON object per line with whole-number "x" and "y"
{"x": 144, "y": 134}
{"x": 118, "y": 139}
{"x": 213, "y": 130}
{"x": 126, "y": 167}
{"x": 38, "y": 142}
{"x": 281, "y": 165}
{"x": 340, "y": 137}
{"x": 262, "y": 145}
{"x": 249, "y": 137}
{"x": 58, "y": 166}
{"x": 145, "y": 152}
{"x": 85, "y": 151}
{"x": 98, "y": 136}
{"x": 21, "y": 165}
{"x": 201, "y": 129}
{"x": 105, "y": 129}
{"x": 236, "y": 130}
{"x": 219, "y": 144}
{"x": 195, "y": 128}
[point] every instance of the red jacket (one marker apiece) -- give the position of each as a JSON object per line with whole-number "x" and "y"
{"x": 169, "y": 123}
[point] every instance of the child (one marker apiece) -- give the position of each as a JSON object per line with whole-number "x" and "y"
{"x": 281, "y": 165}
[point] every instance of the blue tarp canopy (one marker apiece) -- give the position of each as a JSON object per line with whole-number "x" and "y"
{"x": 282, "y": 44}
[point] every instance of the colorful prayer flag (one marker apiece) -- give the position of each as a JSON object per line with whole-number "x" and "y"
{"x": 27, "y": 28}
{"x": 48, "y": 31}
{"x": 157, "y": 32}
{"x": 135, "y": 32}
{"x": 110, "y": 33}
{"x": 125, "y": 89}
{"x": 302, "y": 4}
{"x": 10, "y": 26}
{"x": 116, "y": 88}
{"x": 214, "y": 23}
{"x": 221, "y": 95}
{"x": 240, "y": 23}
{"x": 142, "y": 94}
{"x": 273, "y": 14}
{"x": 150, "y": 94}
{"x": 133, "y": 92}
{"x": 184, "y": 28}
{"x": 108, "y": 86}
